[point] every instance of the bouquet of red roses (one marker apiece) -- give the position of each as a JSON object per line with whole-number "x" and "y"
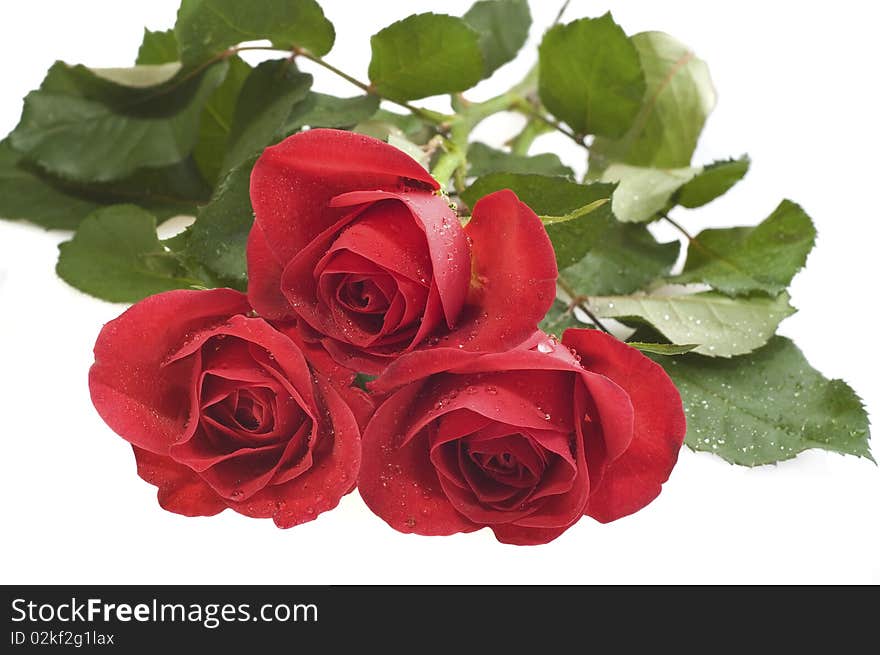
{"x": 368, "y": 299}
{"x": 357, "y": 262}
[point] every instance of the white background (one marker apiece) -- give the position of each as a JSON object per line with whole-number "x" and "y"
{"x": 797, "y": 91}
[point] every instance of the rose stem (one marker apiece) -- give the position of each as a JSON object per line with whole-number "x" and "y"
{"x": 426, "y": 114}
{"x": 580, "y": 301}
{"x": 678, "y": 227}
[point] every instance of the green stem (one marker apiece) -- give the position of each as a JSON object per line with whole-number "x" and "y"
{"x": 577, "y": 300}
{"x": 534, "y": 112}
{"x": 522, "y": 142}
{"x": 449, "y": 162}
{"x": 453, "y": 163}
{"x": 678, "y": 227}
{"x": 561, "y": 11}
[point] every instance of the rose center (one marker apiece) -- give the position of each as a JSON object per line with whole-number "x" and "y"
{"x": 501, "y": 463}
{"x": 244, "y": 416}
{"x": 364, "y": 295}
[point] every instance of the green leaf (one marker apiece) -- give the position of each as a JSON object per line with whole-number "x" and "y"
{"x": 679, "y": 98}
{"x": 722, "y": 326}
{"x": 425, "y": 55}
{"x": 28, "y": 193}
{"x": 559, "y": 318}
{"x": 84, "y": 127}
{"x": 622, "y": 258}
{"x": 157, "y": 48}
{"x": 767, "y": 406}
{"x": 263, "y": 106}
{"x": 217, "y": 119}
{"x": 218, "y": 239}
{"x": 643, "y": 193}
{"x": 205, "y": 28}
{"x": 556, "y": 197}
{"x": 503, "y": 26}
{"x": 715, "y": 180}
{"x": 574, "y": 215}
{"x": 321, "y": 110}
{"x": 115, "y": 255}
{"x": 662, "y": 348}
{"x": 741, "y": 260}
{"x": 138, "y": 77}
{"x": 590, "y": 76}
{"x": 483, "y": 160}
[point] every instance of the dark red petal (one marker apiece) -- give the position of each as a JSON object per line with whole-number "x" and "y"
{"x": 398, "y": 482}
{"x": 181, "y": 490}
{"x": 427, "y": 361}
{"x": 264, "y": 279}
{"x": 146, "y": 403}
{"x": 562, "y": 509}
{"x": 292, "y": 182}
{"x": 518, "y": 535}
{"x": 387, "y": 233}
{"x": 301, "y": 286}
{"x": 309, "y": 342}
{"x": 337, "y": 460}
{"x": 514, "y": 274}
{"x": 634, "y": 479}
{"x": 350, "y": 356}
{"x": 447, "y": 242}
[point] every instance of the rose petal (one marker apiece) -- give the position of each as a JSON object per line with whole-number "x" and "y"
{"x": 427, "y": 361}
{"x": 146, "y": 403}
{"x": 292, "y": 182}
{"x": 336, "y": 461}
{"x": 634, "y": 479}
{"x": 264, "y": 279}
{"x": 388, "y": 234}
{"x": 447, "y": 242}
{"x": 513, "y": 278}
{"x": 181, "y": 490}
{"x": 398, "y": 482}
{"x": 518, "y": 535}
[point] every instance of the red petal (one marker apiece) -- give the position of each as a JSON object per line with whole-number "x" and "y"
{"x": 427, "y": 361}
{"x": 514, "y": 274}
{"x": 317, "y": 356}
{"x": 264, "y": 278}
{"x": 398, "y": 482}
{"x": 146, "y": 403}
{"x": 336, "y": 462}
{"x": 292, "y": 182}
{"x": 634, "y": 479}
{"x": 181, "y": 490}
{"x": 447, "y": 243}
{"x": 518, "y": 535}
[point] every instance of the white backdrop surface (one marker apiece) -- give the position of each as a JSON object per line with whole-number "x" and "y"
{"x": 797, "y": 91}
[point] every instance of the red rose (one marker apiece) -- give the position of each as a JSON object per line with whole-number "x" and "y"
{"x": 222, "y": 409}
{"x": 525, "y": 441}
{"x": 353, "y": 240}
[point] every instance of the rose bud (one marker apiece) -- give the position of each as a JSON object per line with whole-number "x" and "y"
{"x": 525, "y": 441}
{"x": 223, "y": 410}
{"x": 353, "y": 240}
